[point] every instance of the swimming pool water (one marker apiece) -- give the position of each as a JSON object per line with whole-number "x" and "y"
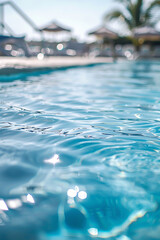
{"x": 80, "y": 153}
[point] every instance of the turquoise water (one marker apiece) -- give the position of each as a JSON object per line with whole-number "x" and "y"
{"x": 80, "y": 154}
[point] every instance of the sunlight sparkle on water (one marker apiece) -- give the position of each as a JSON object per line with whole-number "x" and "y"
{"x": 14, "y": 203}
{"x": 137, "y": 116}
{"x": 30, "y": 198}
{"x": 3, "y": 205}
{"x": 72, "y": 193}
{"x": 93, "y": 231}
{"x": 82, "y": 195}
{"x": 53, "y": 160}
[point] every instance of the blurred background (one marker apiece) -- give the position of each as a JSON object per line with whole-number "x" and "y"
{"x": 119, "y": 28}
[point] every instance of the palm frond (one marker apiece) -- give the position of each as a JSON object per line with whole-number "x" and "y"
{"x": 118, "y": 14}
{"x": 153, "y": 5}
{"x": 135, "y": 14}
{"x": 113, "y": 14}
{"x": 126, "y": 2}
{"x": 138, "y": 12}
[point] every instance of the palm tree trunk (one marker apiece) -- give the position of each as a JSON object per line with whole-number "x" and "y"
{"x": 137, "y": 48}
{"x": 112, "y": 46}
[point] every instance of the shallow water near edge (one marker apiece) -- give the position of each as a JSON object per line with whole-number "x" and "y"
{"x": 80, "y": 154}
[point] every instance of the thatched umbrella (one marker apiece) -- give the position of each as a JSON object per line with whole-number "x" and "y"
{"x": 146, "y": 33}
{"x": 104, "y": 33}
{"x": 54, "y": 27}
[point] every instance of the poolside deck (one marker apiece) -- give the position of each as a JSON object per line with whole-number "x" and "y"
{"x": 14, "y": 65}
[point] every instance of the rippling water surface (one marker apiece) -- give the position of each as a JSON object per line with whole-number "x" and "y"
{"x": 80, "y": 154}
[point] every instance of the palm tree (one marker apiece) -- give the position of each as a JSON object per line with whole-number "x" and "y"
{"x": 136, "y": 14}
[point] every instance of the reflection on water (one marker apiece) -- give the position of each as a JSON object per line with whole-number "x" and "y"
{"x": 79, "y": 154}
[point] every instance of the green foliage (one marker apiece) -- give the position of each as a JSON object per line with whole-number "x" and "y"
{"x": 136, "y": 14}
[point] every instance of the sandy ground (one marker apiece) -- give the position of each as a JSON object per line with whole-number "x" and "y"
{"x": 14, "y": 65}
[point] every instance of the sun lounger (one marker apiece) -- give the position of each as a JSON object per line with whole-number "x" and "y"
{"x": 19, "y": 42}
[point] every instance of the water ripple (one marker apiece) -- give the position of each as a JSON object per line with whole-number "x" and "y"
{"x": 79, "y": 154}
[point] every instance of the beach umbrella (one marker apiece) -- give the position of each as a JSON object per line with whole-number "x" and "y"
{"x": 54, "y": 27}
{"x": 146, "y": 33}
{"x": 104, "y": 32}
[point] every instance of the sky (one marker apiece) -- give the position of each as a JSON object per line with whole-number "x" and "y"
{"x": 81, "y": 16}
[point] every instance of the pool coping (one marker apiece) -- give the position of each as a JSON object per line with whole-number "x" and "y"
{"x": 12, "y": 65}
